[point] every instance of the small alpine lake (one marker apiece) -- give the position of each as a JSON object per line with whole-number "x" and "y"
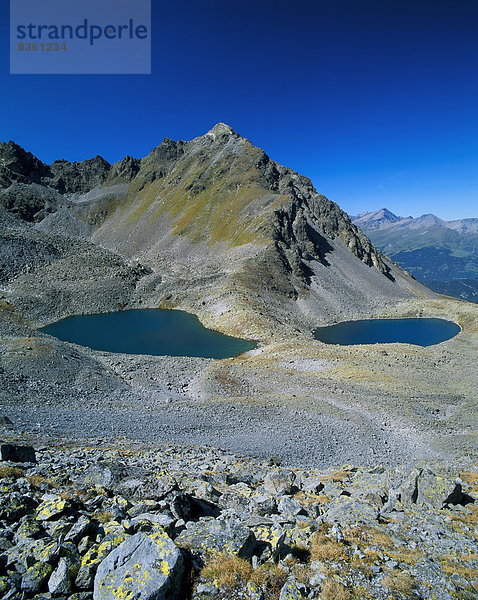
{"x": 153, "y": 331}
{"x": 419, "y": 331}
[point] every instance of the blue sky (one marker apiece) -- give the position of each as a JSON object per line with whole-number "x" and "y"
{"x": 375, "y": 101}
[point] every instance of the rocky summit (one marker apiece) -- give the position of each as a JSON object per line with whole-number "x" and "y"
{"x": 296, "y": 469}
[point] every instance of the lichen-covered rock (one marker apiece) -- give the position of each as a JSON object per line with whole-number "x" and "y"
{"x": 436, "y": 491}
{"x": 52, "y": 506}
{"x": 115, "y": 536}
{"x": 36, "y": 576}
{"x": 79, "y": 529}
{"x": 291, "y": 591}
{"x": 29, "y": 528}
{"x": 144, "y": 567}
{"x": 14, "y": 506}
{"x": 216, "y": 536}
{"x": 349, "y": 510}
{"x": 271, "y": 535}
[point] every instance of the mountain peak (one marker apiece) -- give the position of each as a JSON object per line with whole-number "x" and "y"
{"x": 220, "y": 130}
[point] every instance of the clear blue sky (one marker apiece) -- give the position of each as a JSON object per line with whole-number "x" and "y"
{"x": 375, "y": 101}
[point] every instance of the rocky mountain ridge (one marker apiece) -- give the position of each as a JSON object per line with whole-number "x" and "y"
{"x": 441, "y": 254}
{"x": 384, "y": 219}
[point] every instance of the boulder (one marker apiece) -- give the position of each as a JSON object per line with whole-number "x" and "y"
{"x": 216, "y": 536}
{"x": 36, "y": 576}
{"x": 351, "y": 510}
{"x": 51, "y": 507}
{"x": 437, "y": 491}
{"x": 61, "y": 580}
{"x": 280, "y": 482}
{"x": 144, "y": 567}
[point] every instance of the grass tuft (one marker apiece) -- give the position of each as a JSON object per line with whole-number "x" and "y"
{"x": 10, "y": 472}
{"x": 227, "y": 571}
{"x": 333, "y": 590}
{"x": 324, "y": 548}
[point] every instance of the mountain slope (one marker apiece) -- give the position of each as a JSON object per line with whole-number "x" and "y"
{"x": 234, "y": 232}
{"x": 222, "y": 230}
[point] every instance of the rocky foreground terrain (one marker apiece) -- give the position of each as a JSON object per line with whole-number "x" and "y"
{"x": 109, "y": 510}
{"x": 179, "y": 522}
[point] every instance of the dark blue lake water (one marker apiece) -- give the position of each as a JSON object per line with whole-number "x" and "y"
{"x": 149, "y": 331}
{"x": 421, "y": 332}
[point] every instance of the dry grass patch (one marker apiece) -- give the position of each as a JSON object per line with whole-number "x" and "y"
{"x": 227, "y": 571}
{"x": 400, "y": 582}
{"x": 37, "y": 480}
{"x": 270, "y": 577}
{"x": 10, "y": 472}
{"x": 333, "y": 590}
{"x": 450, "y": 567}
{"x": 470, "y": 477}
{"x": 104, "y": 516}
{"x": 324, "y": 548}
{"x": 337, "y": 476}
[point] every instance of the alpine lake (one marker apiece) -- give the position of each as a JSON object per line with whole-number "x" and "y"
{"x": 152, "y": 331}
{"x": 418, "y": 331}
{"x": 161, "y": 332}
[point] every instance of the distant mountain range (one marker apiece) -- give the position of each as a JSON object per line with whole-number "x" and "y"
{"x": 441, "y": 254}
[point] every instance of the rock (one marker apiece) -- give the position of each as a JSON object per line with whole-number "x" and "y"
{"x": 96, "y": 554}
{"x": 279, "y": 482}
{"x": 237, "y": 496}
{"x": 14, "y": 453}
{"x": 290, "y": 507}
{"x": 408, "y": 490}
{"x": 436, "y": 491}
{"x": 291, "y": 591}
{"x": 52, "y": 506}
{"x": 254, "y": 591}
{"x": 146, "y": 567}
{"x": 216, "y": 536}
{"x": 263, "y": 503}
{"x": 148, "y": 521}
{"x": 312, "y": 485}
{"x": 79, "y": 529}
{"x": 15, "y": 506}
{"x": 273, "y": 536}
{"x": 349, "y": 510}
{"x": 107, "y": 474}
{"x": 36, "y": 576}
{"x": 5, "y": 421}
{"x": 29, "y": 528}
{"x": 61, "y": 579}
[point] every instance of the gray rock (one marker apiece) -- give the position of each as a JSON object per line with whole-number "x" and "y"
{"x": 148, "y": 521}
{"x": 60, "y": 581}
{"x": 36, "y": 576}
{"x": 291, "y": 591}
{"x": 145, "y": 567}
{"x": 279, "y": 482}
{"x": 436, "y": 491}
{"x": 79, "y": 529}
{"x": 214, "y": 536}
{"x": 290, "y": 507}
{"x": 350, "y": 510}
